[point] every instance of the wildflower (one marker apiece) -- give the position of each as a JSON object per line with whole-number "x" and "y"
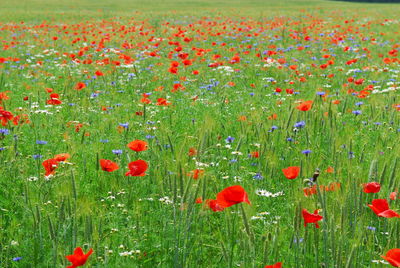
{"x": 50, "y": 166}
{"x": 232, "y": 195}
{"x": 381, "y": 208}
{"x": 305, "y": 106}
{"x": 108, "y": 165}
{"x": 291, "y": 172}
{"x": 372, "y": 187}
{"x": 78, "y": 258}
{"x": 311, "y": 217}
{"x": 117, "y": 152}
{"x": 4, "y": 131}
{"x": 137, "y": 168}
{"x": 138, "y": 145}
{"x": 306, "y": 152}
{"x": 276, "y": 265}
{"x": 229, "y": 139}
{"x": 300, "y": 124}
{"x": 393, "y": 257}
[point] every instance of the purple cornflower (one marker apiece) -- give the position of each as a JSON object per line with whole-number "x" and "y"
{"x": 117, "y": 152}
{"x": 124, "y": 125}
{"x": 4, "y": 131}
{"x": 258, "y": 176}
{"x": 229, "y": 139}
{"x": 300, "y": 124}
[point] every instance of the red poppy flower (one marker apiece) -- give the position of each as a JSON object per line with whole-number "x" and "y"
{"x": 192, "y": 151}
{"x": 305, "y": 105}
{"x": 50, "y": 166}
{"x": 197, "y": 173}
{"x": 80, "y": 86}
{"x": 99, "y": 73}
{"x": 62, "y": 157}
{"x": 232, "y": 195}
{"x": 137, "y": 145}
{"x": 137, "y": 168}
{"x": 108, "y": 165}
{"x": 311, "y": 217}
{"x": 255, "y": 154}
{"x": 162, "y": 102}
{"x": 381, "y": 208}
{"x": 213, "y": 204}
{"x": 329, "y": 170}
{"x": 291, "y": 172}
{"x": 5, "y": 116}
{"x": 276, "y": 265}
{"x": 393, "y": 257}
{"x": 372, "y": 187}
{"x": 78, "y": 258}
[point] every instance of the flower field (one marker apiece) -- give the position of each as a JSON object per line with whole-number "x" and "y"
{"x": 199, "y": 134}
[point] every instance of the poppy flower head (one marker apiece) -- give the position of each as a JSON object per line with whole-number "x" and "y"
{"x": 381, "y": 208}
{"x": 232, "y": 195}
{"x": 213, "y": 204}
{"x": 62, "y": 157}
{"x": 372, "y": 187}
{"x": 393, "y": 257}
{"x": 138, "y": 145}
{"x": 80, "y": 86}
{"x": 291, "y": 172}
{"x": 78, "y": 258}
{"x": 311, "y": 217}
{"x": 50, "y": 166}
{"x": 137, "y": 168}
{"x": 276, "y": 265}
{"x": 192, "y": 151}
{"x": 305, "y": 106}
{"x": 108, "y": 165}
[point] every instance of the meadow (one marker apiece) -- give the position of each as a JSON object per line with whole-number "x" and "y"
{"x": 199, "y": 134}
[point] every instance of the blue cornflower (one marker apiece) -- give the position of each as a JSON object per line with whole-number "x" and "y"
{"x": 229, "y": 139}
{"x": 41, "y": 142}
{"x": 306, "y": 152}
{"x": 125, "y": 125}
{"x": 4, "y": 131}
{"x": 321, "y": 93}
{"x": 359, "y": 103}
{"x": 258, "y": 176}
{"x": 357, "y": 112}
{"x": 300, "y": 124}
{"x": 117, "y": 152}
{"x": 37, "y": 156}
{"x": 17, "y": 258}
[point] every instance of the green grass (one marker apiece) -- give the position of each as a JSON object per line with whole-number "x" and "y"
{"x": 155, "y": 217}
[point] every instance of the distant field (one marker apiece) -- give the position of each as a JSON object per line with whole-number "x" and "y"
{"x": 199, "y": 134}
{"x": 37, "y": 10}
